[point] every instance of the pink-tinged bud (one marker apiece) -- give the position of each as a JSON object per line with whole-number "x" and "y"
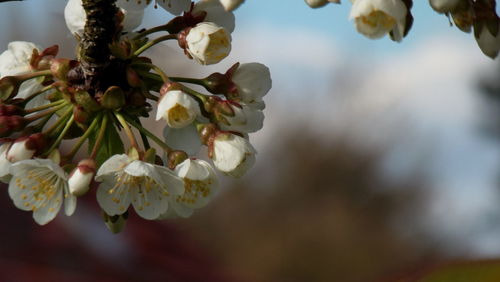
{"x": 5, "y": 129}
{"x": 10, "y": 110}
{"x": 81, "y": 177}
{"x": 16, "y": 123}
{"x": 20, "y": 150}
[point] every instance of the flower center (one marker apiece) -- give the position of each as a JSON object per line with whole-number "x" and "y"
{"x": 45, "y": 187}
{"x": 379, "y": 19}
{"x": 194, "y": 189}
{"x": 178, "y": 113}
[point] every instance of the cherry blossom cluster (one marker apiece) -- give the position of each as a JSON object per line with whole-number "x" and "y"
{"x": 376, "y": 18}
{"x": 47, "y": 102}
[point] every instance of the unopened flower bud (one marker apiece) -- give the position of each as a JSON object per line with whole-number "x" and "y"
{"x": 16, "y": 123}
{"x": 232, "y": 154}
{"x": 207, "y": 43}
{"x": 252, "y": 81}
{"x": 10, "y": 110}
{"x": 81, "y": 177}
{"x": 177, "y": 108}
{"x": 20, "y": 150}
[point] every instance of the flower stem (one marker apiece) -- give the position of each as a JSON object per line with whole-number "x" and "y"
{"x": 61, "y": 135}
{"x": 188, "y": 80}
{"x": 45, "y": 89}
{"x": 100, "y": 136}
{"x": 148, "y": 134}
{"x": 30, "y": 75}
{"x": 154, "y": 42}
{"x": 51, "y": 111}
{"x": 194, "y": 93}
{"x": 149, "y": 31}
{"x": 60, "y": 121}
{"x": 128, "y": 130}
{"x": 84, "y": 137}
{"x": 44, "y": 107}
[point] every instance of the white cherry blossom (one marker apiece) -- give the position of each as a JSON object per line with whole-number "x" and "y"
{"x": 40, "y": 185}
{"x": 177, "y": 108}
{"x": 233, "y": 154}
{"x": 200, "y": 184}
{"x": 376, "y": 18}
{"x": 127, "y": 181}
{"x": 253, "y": 81}
{"x": 208, "y": 43}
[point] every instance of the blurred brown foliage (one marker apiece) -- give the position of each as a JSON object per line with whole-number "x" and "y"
{"x": 327, "y": 216}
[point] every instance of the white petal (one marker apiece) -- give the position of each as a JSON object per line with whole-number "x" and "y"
{"x": 175, "y": 7}
{"x": 171, "y": 182}
{"x": 253, "y": 81}
{"x": 149, "y": 202}
{"x": 112, "y": 165}
{"x": 113, "y": 200}
{"x": 182, "y": 210}
{"x": 69, "y": 204}
{"x": 48, "y": 212}
{"x": 216, "y": 13}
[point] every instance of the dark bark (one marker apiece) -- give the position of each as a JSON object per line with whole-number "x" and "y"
{"x": 100, "y": 30}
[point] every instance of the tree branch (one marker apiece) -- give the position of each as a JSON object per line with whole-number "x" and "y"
{"x": 100, "y": 30}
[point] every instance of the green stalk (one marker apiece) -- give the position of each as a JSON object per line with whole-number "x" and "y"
{"x": 44, "y": 107}
{"x": 100, "y": 136}
{"x": 60, "y": 121}
{"x": 150, "y": 31}
{"x": 128, "y": 130}
{"x": 154, "y": 42}
{"x": 188, "y": 80}
{"x": 148, "y": 134}
{"x": 61, "y": 135}
{"x": 51, "y": 111}
{"x": 84, "y": 137}
{"x": 30, "y": 97}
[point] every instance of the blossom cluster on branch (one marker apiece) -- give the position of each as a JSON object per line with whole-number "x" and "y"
{"x": 376, "y": 18}
{"x": 46, "y": 100}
